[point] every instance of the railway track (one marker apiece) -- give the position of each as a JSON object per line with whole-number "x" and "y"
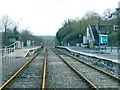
{"x": 50, "y": 69}
{"x": 30, "y": 75}
{"x": 60, "y": 75}
{"x": 100, "y": 78}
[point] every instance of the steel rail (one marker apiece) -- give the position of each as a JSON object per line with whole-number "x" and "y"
{"x": 94, "y": 87}
{"x": 18, "y": 72}
{"x": 44, "y": 71}
{"x": 98, "y": 69}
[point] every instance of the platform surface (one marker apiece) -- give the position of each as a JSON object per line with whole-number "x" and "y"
{"x": 21, "y": 52}
{"x": 113, "y": 56}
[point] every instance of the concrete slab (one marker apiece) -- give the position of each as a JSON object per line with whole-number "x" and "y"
{"x": 18, "y": 53}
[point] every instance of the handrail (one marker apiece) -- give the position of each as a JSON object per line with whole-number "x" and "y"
{"x": 10, "y": 45}
{"x": 16, "y": 45}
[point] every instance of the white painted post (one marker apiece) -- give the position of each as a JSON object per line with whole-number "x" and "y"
{"x": 14, "y": 46}
{"x": 19, "y": 45}
{"x": 8, "y": 50}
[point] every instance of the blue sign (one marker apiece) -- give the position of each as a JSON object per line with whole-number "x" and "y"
{"x": 103, "y": 39}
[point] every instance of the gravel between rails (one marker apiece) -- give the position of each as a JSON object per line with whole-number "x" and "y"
{"x": 10, "y": 65}
{"x": 104, "y": 64}
{"x": 31, "y": 77}
{"x": 59, "y": 75}
{"x": 99, "y": 79}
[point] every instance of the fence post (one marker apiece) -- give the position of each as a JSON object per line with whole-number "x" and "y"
{"x": 105, "y": 48}
{"x": 118, "y": 49}
{"x": 8, "y": 50}
{"x": 111, "y": 48}
{"x": 14, "y": 46}
{"x": 22, "y": 45}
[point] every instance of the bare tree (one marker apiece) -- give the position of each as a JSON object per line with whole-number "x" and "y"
{"x": 7, "y": 23}
{"x": 90, "y": 14}
{"x": 107, "y": 13}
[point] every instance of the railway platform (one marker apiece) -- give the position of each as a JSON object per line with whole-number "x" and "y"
{"x": 23, "y": 52}
{"x": 112, "y": 56}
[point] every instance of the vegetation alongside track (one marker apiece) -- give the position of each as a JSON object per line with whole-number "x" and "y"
{"x": 73, "y": 29}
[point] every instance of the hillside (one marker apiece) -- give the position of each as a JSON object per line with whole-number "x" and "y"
{"x": 49, "y": 40}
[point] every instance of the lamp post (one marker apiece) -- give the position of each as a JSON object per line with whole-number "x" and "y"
{"x": 98, "y": 29}
{"x": 80, "y": 27}
{"x": 98, "y": 32}
{"x": 18, "y": 24}
{"x": 18, "y": 28}
{"x": 80, "y": 40}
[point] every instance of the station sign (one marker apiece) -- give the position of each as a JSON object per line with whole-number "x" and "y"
{"x": 103, "y": 39}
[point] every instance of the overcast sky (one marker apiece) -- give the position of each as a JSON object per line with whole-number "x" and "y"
{"x": 45, "y": 17}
